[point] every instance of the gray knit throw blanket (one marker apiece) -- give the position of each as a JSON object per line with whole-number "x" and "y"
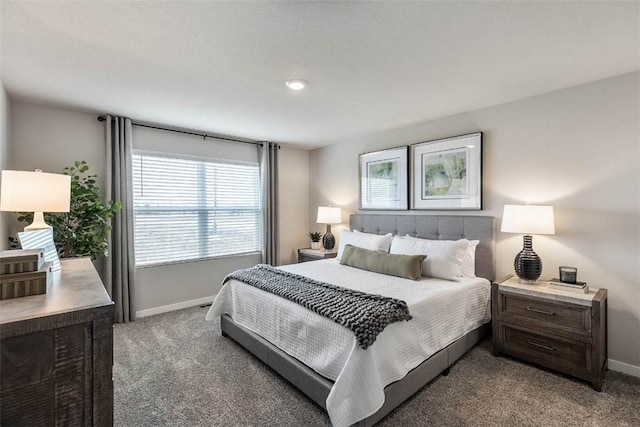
{"x": 364, "y": 314}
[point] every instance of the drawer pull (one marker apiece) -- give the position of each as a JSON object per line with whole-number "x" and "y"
{"x": 550, "y": 313}
{"x": 546, "y": 347}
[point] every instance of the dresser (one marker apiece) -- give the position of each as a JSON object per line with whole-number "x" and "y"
{"x": 56, "y": 352}
{"x": 560, "y": 330}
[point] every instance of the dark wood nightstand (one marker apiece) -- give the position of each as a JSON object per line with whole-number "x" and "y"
{"x": 560, "y": 330}
{"x": 306, "y": 254}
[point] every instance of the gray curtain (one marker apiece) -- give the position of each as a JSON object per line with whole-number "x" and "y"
{"x": 268, "y": 155}
{"x": 120, "y": 267}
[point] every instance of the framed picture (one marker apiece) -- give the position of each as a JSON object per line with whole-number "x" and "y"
{"x": 384, "y": 180}
{"x": 447, "y": 173}
{"x": 41, "y": 239}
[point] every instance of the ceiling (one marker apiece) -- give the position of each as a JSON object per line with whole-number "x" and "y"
{"x": 220, "y": 67}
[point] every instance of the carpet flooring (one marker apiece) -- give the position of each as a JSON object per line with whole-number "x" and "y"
{"x": 175, "y": 369}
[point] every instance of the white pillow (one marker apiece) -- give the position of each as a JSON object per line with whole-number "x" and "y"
{"x": 373, "y": 242}
{"x": 385, "y": 243}
{"x": 444, "y": 257}
{"x": 469, "y": 263}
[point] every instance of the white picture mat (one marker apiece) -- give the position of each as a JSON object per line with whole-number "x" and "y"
{"x": 398, "y": 195}
{"x": 41, "y": 239}
{"x": 473, "y": 201}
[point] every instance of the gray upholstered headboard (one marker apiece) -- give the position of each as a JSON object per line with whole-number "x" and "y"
{"x": 437, "y": 227}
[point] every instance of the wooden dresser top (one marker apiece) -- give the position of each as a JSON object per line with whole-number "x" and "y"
{"x": 76, "y": 286}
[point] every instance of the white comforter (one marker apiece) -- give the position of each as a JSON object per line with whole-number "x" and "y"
{"x": 442, "y": 311}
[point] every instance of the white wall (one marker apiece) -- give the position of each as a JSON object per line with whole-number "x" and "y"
{"x": 5, "y": 114}
{"x": 293, "y": 182}
{"x": 577, "y": 149}
{"x": 51, "y": 138}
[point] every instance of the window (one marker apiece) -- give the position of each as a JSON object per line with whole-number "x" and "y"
{"x": 187, "y": 209}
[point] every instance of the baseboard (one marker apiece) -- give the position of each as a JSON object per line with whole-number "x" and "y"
{"x": 625, "y": 368}
{"x": 173, "y": 307}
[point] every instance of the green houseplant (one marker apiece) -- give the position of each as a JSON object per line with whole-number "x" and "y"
{"x": 315, "y": 239}
{"x": 82, "y": 231}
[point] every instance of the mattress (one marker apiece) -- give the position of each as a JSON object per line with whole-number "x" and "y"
{"x": 442, "y": 312}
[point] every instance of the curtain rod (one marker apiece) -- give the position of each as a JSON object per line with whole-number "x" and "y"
{"x": 203, "y": 135}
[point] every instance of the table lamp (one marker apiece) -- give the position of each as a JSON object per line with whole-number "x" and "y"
{"x": 528, "y": 220}
{"x": 329, "y": 215}
{"x": 37, "y": 192}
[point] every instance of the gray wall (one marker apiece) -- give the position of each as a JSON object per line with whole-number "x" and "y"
{"x": 51, "y": 138}
{"x": 5, "y": 114}
{"x": 576, "y": 149}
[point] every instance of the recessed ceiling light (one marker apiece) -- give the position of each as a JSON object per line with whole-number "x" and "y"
{"x": 296, "y": 84}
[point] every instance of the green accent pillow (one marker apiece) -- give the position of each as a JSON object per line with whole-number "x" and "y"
{"x": 407, "y": 266}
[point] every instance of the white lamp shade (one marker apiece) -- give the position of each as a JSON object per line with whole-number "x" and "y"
{"x": 528, "y": 219}
{"x": 329, "y": 215}
{"x": 26, "y": 191}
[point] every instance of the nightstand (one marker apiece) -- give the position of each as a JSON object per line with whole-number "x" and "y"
{"x": 560, "y": 330}
{"x": 305, "y": 255}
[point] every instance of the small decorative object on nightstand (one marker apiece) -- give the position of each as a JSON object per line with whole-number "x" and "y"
{"x": 305, "y": 255}
{"x": 315, "y": 237}
{"x": 568, "y": 274}
{"x": 560, "y": 330}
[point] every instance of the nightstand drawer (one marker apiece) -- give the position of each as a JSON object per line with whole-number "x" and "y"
{"x": 307, "y": 258}
{"x": 521, "y": 310}
{"x": 306, "y": 254}
{"x": 570, "y": 357}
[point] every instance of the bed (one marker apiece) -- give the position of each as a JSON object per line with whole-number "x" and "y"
{"x": 320, "y": 357}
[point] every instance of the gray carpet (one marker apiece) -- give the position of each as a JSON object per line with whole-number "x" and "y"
{"x": 175, "y": 369}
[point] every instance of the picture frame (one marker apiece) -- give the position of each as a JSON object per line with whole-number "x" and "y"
{"x": 41, "y": 239}
{"x": 384, "y": 179}
{"x": 447, "y": 173}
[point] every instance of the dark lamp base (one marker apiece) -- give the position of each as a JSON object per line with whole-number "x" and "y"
{"x": 328, "y": 241}
{"x": 528, "y": 264}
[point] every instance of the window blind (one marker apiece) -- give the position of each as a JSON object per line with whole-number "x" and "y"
{"x": 187, "y": 209}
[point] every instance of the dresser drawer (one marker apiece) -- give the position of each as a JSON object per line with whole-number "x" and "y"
{"x": 518, "y": 310}
{"x": 570, "y": 357}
